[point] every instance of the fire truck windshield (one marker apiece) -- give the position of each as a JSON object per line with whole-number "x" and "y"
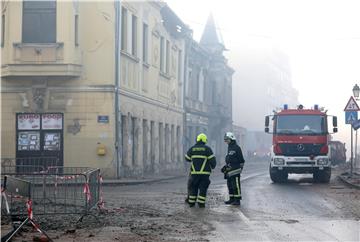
{"x": 300, "y": 124}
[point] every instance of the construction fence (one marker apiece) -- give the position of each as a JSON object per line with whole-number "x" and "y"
{"x": 54, "y": 189}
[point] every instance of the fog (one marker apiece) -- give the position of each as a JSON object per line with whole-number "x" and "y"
{"x": 318, "y": 40}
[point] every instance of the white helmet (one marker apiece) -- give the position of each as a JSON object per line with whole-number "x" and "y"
{"x": 230, "y": 136}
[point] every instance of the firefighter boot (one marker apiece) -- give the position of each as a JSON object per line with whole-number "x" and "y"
{"x": 201, "y": 205}
{"x": 230, "y": 201}
{"x": 236, "y": 202}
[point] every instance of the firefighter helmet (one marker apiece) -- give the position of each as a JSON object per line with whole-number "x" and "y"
{"x": 229, "y": 136}
{"x": 201, "y": 137}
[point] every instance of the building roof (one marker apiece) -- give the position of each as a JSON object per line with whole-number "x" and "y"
{"x": 211, "y": 36}
{"x": 173, "y": 23}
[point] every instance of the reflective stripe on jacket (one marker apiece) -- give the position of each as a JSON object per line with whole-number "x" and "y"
{"x": 202, "y": 159}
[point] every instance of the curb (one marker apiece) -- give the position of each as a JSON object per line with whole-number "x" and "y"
{"x": 348, "y": 183}
{"x": 137, "y": 182}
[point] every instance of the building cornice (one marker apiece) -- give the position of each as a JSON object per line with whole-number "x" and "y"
{"x": 98, "y": 88}
{"x": 150, "y": 101}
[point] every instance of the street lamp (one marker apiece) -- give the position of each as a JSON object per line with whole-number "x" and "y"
{"x": 356, "y": 91}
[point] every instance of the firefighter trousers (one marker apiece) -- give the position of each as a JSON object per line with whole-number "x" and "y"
{"x": 199, "y": 186}
{"x": 234, "y": 187}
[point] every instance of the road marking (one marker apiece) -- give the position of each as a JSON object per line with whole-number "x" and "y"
{"x": 253, "y": 176}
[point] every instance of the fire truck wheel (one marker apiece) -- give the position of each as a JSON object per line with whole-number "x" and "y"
{"x": 322, "y": 176}
{"x": 278, "y": 176}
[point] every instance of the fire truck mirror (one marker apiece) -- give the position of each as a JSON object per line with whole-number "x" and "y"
{"x": 267, "y": 123}
{"x": 267, "y": 130}
{"x": 335, "y": 130}
{"x": 335, "y": 122}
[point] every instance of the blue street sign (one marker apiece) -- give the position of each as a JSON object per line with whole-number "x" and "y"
{"x": 103, "y": 119}
{"x": 356, "y": 124}
{"x": 351, "y": 116}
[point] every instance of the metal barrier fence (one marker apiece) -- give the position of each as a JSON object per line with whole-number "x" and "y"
{"x": 28, "y": 164}
{"x": 56, "y": 190}
{"x": 22, "y": 190}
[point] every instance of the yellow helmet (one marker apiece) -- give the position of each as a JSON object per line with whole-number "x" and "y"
{"x": 201, "y": 137}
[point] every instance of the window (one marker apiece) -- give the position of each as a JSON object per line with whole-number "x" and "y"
{"x": 213, "y": 96}
{"x": 123, "y": 29}
{"x": 132, "y": 140}
{"x": 2, "y": 30}
{"x": 162, "y": 54}
{"x": 167, "y": 60}
{"x": 145, "y": 43}
{"x": 197, "y": 86}
{"x": 179, "y": 65}
{"x": 300, "y": 124}
{"x": 39, "y": 22}
{"x": 134, "y": 36}
{"x": 76, "y": 30}
{"x": 201, "y": 86}
{"x": 188, "y": 83}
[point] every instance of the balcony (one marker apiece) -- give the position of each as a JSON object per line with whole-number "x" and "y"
{"x": 39, "y": 60}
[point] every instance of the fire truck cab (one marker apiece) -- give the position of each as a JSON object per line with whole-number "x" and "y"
{"x": 300, "y": 143}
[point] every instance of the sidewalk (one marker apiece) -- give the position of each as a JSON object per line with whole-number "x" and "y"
{"x": 142, "y": 180}
{"x": 344, "y": 176}
{"x": 353, "y": 181}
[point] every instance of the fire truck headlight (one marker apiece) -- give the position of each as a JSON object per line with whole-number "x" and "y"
{"x": 279, "y": 161}
{"x": 323, "y": 161}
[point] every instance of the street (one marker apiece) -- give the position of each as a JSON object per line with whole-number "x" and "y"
{"x": 109, "y": 106}
{"x": 295, "y": 211}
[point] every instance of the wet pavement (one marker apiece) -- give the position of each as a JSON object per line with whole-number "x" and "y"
{"x": 154, "y": 210}
{"x": 298, "y": 210}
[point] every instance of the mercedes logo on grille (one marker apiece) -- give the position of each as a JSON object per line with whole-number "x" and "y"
{"x": 300, "y": 147}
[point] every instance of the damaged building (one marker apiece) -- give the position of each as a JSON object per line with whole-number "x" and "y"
{"x": 111, "y": 98}
{"x": 208, "y": 90}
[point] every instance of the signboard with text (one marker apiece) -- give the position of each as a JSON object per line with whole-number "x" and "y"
{"x": 28, "y": 121}
{"x": 51, "y": 121}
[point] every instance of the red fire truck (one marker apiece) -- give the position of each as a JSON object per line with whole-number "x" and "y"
{"x": 300, "y": 143}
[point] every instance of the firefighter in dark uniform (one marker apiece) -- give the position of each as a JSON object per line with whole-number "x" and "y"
{"x": 233, "y": 168}
{"x": 202, "y": 162}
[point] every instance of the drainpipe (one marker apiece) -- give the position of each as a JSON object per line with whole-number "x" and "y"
{"x": 117, "y": 87}
{"x": 188, "y": 43}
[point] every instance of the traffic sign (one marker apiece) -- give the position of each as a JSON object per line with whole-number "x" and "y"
{"x": 351, "y": 116}
{"x": 352, "y": 105}
{"x": 356, "y": 124}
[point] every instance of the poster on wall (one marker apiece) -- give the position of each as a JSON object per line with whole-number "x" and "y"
{"x": 28, "y": 121}
{"x": 52, "y": 141}
{"x": 28, "y": 140}
{"x": 51, "y": 121}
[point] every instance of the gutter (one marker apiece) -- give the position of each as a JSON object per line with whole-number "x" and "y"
{"x": 117, "y": 86}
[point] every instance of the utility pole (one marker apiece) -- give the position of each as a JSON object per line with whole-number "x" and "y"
{"x": 351, "y": 117}
{"x": 352, "y": 155}
{"x": 356, "y": 156}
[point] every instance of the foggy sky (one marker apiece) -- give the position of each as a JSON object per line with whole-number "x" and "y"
{"x": 321, "y": 38}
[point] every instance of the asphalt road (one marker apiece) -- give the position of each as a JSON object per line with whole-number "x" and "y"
{"x": 299, "y": 210}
